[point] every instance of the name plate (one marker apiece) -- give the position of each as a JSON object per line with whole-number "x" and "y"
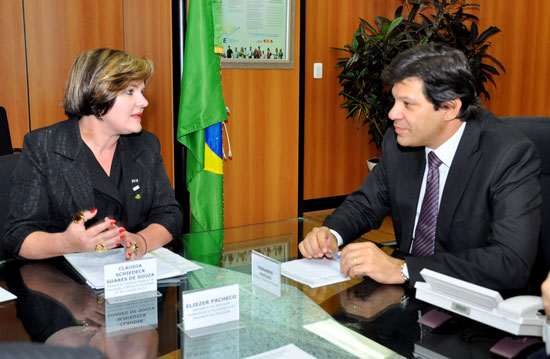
{"x": 129, "y": 317}
{"x": 266, "y": 273}
{"x": 131, "y": 277}
{"x": 210, "y": 307}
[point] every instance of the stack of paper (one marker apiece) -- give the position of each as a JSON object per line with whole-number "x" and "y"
{"x": 90, "y": 264}
{"x": 314, "y": 272}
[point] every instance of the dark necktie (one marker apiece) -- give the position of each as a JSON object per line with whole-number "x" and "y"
{"x": 424, "y": 238}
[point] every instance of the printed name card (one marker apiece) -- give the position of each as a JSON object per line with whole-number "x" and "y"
{"x": 129, "y": 317}
{"x": 131, "y": 277}
{"x": 266, "y": 273}
{"x": 210, "y": 307}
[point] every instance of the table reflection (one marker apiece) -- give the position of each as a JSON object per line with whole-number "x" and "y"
{"x": 57, "y": 309}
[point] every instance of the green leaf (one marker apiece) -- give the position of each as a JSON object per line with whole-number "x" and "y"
{"x": 395, "y": 23}
{"x": 473, "y": 32}
{"x": 380, "y": 21}
{"x": 487, "y": 33}
{"x": 489, "y": 68}
{"x": 398, "y": 12}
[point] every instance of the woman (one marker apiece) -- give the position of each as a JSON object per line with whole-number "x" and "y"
{"x": 95, "y": 181}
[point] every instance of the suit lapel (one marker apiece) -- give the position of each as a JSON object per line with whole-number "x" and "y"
{"x": 408, "y": 190}
{"x": 74, "y": 170}
{"x": 133, "y": 177}
{"x": 464, "y": 162}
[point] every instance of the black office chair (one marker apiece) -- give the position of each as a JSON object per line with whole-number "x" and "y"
{"x": 537, "y": 129}
{"x": 7, "y": 165}
{"x": 5, "y": 137}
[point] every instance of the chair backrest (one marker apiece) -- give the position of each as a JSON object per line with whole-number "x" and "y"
{"x": 5, "y": 137}
{"x": 537, "y": 129}
{"x": 7, "y": 165}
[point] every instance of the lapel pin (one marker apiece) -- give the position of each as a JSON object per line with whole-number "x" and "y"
{"x": 138, "y": 196}
{"x": 135, "y": 180}
{"x": 135, "y": 188}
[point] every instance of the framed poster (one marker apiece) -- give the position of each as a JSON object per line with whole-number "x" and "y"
{"x": 258, "y": 33}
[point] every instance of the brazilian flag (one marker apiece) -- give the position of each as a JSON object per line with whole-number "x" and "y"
{"x": 202, "y": 109}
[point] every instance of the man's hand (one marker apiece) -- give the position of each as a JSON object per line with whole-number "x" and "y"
{"x": 319, "y": 243}
{"x": 366, "y": 259}
{"x": 545, "y": 289}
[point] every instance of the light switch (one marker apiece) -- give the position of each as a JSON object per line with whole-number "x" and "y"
{"x": 318, "y": 70}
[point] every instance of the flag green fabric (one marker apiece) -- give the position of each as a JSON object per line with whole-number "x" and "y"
{"x": 202, "y": 105}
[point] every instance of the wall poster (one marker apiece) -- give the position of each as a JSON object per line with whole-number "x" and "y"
{"x": 258, "y": 33}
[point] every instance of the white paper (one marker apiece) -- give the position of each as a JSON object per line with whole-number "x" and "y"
{"x": 5, "y": 295}
{"x": 174, "y": 260}
{"x": 314, "y": 272}
{"x": 209, "y": 307}
{"x": 266, "y": 273}
{"x": 90, "y": 264}
{"x": 349, "y": 340}
{"x": 288, "y": 351}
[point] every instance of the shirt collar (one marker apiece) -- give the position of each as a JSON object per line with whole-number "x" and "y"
{"x": 447, "y": 150}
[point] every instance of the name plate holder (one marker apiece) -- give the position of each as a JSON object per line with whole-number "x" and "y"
{"x": 210, "y": 311}
{"x": 266, "y": 275}
{"x": 131, "y": 280}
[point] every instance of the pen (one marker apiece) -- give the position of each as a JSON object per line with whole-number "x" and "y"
{"x": 335, "y": 256}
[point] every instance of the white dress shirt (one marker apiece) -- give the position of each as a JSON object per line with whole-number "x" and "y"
{"x": 446, "y": 153}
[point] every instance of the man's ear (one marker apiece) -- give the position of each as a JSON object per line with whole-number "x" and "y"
{"x": 452, "y": 109}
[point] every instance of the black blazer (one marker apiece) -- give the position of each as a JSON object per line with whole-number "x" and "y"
{"x": 489, "y": 217}
{"x": 51, "y": 183}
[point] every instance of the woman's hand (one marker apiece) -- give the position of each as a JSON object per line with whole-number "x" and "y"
{"x": 99, "y": 237}
{"x": 135, "y": 246}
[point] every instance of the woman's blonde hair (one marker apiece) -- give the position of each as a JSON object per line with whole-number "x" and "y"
{"x": 96, "y": 78}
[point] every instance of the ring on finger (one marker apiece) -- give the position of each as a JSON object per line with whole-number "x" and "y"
{"x": 83, "y": 323}
{"x": 135, "y": 248}
{"x": 100, "y": 247}
{"x": 78, "y": 218}
{"x": 355, "y": 261}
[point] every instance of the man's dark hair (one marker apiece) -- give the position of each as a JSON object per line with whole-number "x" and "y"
{"x": 444, "y": 72}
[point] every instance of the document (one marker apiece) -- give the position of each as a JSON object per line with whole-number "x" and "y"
{"x": 5, "y": 295}
{"x": 288, "y": 351}
{"x": 314, "y": 272}
{"x": 90, "y": 264}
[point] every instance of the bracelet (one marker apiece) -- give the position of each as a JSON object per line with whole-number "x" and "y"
{"x": 144, "y": 240}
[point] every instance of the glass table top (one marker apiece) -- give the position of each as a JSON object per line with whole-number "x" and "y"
{"x": 55, "y": 307}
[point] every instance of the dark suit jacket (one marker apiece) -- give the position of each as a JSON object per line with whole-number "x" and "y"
{"x": 51, "y": 183}
{"x": 489, "y": 216}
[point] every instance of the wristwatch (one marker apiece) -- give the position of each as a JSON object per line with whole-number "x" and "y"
{"x": 405, "y": 272}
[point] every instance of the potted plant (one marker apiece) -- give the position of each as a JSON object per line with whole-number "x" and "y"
{"x": 366, "y": 98}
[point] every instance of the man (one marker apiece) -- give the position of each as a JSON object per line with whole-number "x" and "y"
{"x": 482, "y": 215}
